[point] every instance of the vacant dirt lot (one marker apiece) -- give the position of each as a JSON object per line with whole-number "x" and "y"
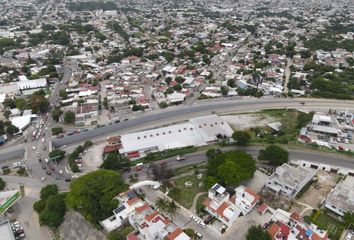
{"x": 317, "y": 192}
{"x": 246, "y": 121}
{"x": 93, "y": 158}
{"x": 320, "y": 189}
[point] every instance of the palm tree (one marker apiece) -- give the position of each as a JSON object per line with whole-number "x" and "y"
{"x": 172, "y": 209}
{"x": 162, "y": 204}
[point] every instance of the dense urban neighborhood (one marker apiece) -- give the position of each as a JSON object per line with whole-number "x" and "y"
{"x": 176, "y": 120}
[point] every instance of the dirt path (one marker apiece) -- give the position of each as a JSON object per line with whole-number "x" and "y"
{"x": 192, "y": 209}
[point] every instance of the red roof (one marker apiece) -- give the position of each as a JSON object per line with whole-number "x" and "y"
{"x": 112, "y": 148}
{"x": 132, "y": 236}
{"x": 262, "y": 208}
{"x": 296, "y": 217}
{"x": 132, "y": 201}
{"x": 152, "y": 216}
{"x": 273, "y": 230}
{"x": 141, "y": 208}
{"x": 173, "y": 235}
{"x": 134, "y": 154}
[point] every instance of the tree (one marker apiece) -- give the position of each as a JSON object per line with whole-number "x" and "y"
{"x": 38, "y": 102}
{"x": 274, "y": 154}
{"x": 63, "y": 94}
{"x": 221, "y": 167}
{"x": 48, "y": 190}
{"x": 39, "y": 206}
{"x": 179, "y": 79}
{"x": 9, "y": 103}
{"x": 69, "y": 117}
{"x": 137, "y": 108}
{"x": 57, "y": 155}
{"x": 2, "y": 184}
{"x": 177, "y": 87}
{"x": 93, "y": 194}
{"x": 105, "y": 102}
{"x": 168, "y": 80}
{"x": 172, "y": 209}
{"x": 54, "y": 212}
{"x": 57, "y": 130}
{"x": 113, "y": 161}
{"x": 87, "y": 144}
{"x": 21, "y": 103}
{"x": 231, "y": 83}
{"x": 241, "y": 138}
{"x": 163, "y": 104}
{"x": 348, "y": 218}
{"x": 210, "y": 181}
{"x": 229, "y": 173}
{"x": 256, "y": 232}
{"x": 120, "y": 234}
{"x": 224, "y": 90}
{"x": 56, "y": 113}
{"x": 11, "y": 130}
{"x": 162, "y": 204}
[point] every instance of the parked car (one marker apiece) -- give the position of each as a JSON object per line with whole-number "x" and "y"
{"x": 48, "y": 172}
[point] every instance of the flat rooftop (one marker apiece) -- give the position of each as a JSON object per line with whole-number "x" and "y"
{"x": 342, "y": 195}
{"x": 6, "y": 231}
{"x": 291, "y": 176}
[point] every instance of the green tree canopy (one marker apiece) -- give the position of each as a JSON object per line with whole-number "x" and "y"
{"x": 48, "y": 191}
{"x": 114, "y": 161}
{"x": 57, "y": 130}
{"x": 230, "y": 167}
{"x": 69, "y": 117}
{"x": 54, "y": 212}
{"x": 241, "y": 138}
{"x": 256, "y": 232}
{"x": 274, "y": 154}
{"x": 93, "y": 193}
{"x": 56, "y": 113}
{"x": 2, "y": 184}
{"x": 11, "y": 130}
{"x": 57, "y": 154}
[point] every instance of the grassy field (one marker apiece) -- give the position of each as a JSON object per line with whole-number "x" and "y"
{"x": 200, "y": 201}
{"x": 334, "y": 227}
{"x": 185, "y": 196}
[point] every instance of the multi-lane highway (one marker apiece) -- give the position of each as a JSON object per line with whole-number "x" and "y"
{"x": 180, "y": 113}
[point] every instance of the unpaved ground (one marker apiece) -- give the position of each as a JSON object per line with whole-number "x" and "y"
{"x": 93, "y": 159}
{"x": 318, "y": 191}
{"x": 246, "y": 121}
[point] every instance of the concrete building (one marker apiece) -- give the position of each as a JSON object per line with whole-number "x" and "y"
{"x": 289, "y": 180}
{"x": 341, "y": 199}
{"x": 290, "y": 226}
{"x": 6, "y": 231}
{"x": 128, "y": 201}
{"x": 227, "y": 209}
{"x": 196, "y": 132}
{"x": 151, "y": 224}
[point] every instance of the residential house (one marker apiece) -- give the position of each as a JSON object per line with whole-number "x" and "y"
{"x": 289, "y": 180}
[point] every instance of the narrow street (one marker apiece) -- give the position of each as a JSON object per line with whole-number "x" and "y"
{"x": 287, "y": 74}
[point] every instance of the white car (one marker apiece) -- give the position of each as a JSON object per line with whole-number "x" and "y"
{"x": 16, "y": 164}
{"x": 61, "y": 172}
{"x": 202, "y": 224}
{"x": 33, "y": 147}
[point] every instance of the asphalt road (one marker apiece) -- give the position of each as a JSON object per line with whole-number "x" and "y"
{"x": 294, "y": 154}
{"x": 11, "y": 154}
{"x": 180, "y": 113}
